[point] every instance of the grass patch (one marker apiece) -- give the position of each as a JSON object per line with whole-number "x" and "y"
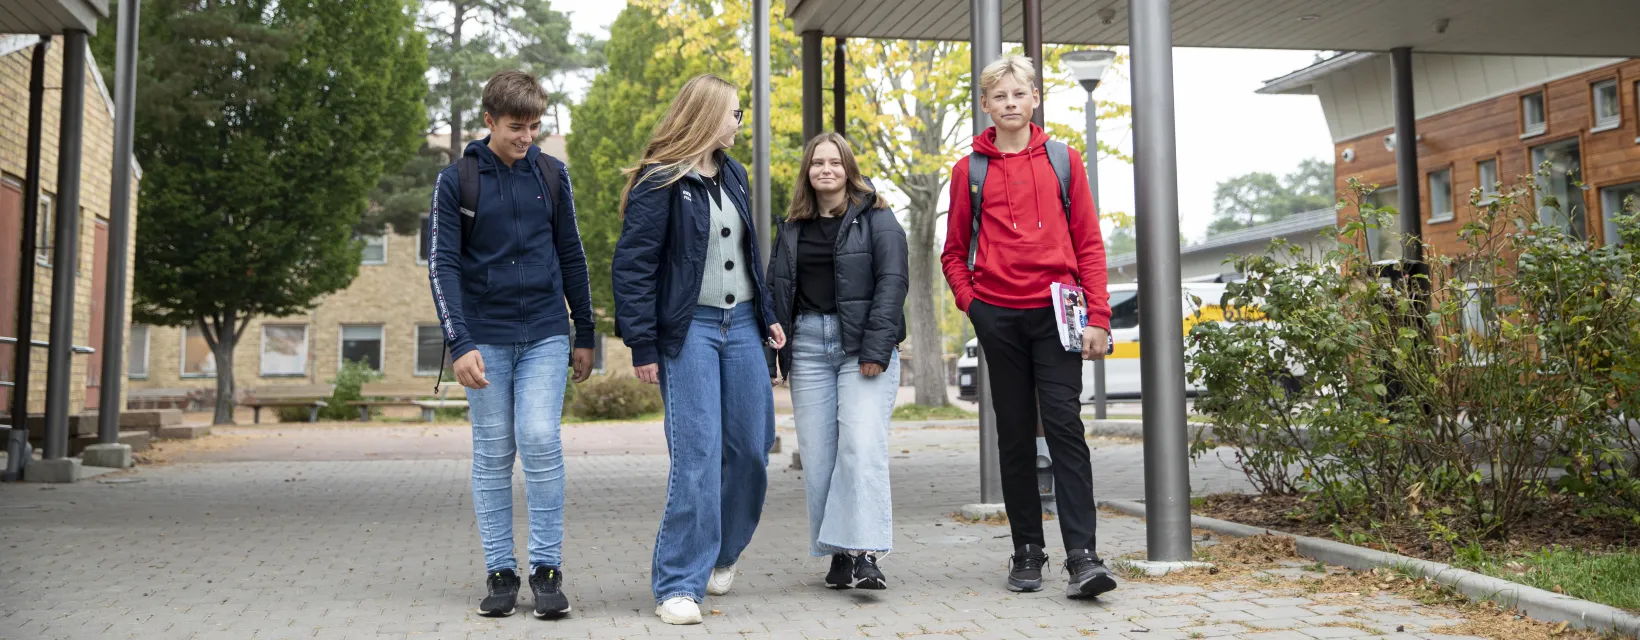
{"x": 1607, "y": 578}
{"x": 920, "y": 412}
{"x": 654, "y": 416}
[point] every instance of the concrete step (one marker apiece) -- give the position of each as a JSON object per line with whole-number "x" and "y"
{"x": 184, "y": 431}
{"x": 138, "y": 440}
{"x": 84, "y": 424}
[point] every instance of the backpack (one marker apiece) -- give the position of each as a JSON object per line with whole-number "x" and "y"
{"x": 467, "y": 178}
{"x": 1059, "y": 156}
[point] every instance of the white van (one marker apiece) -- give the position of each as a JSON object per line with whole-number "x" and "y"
{"x": 1122, "y": 366}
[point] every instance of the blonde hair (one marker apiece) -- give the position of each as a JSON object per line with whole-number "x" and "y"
{"x": 691, "y": 127}
{"x": 1016, "y": 66}
{"x": 806, "y": 203}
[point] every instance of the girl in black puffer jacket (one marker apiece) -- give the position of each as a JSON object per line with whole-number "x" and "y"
{"x": 837, "y": 277}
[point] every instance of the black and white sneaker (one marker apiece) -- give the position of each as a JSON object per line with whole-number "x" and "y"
{"x": 1089, "y": 577}
{"x": 547, "y": 584}
{"x": 866, "y": 573}
{"x": 503, "y": 597}
{"x": 1025, "y": 572}
{"x": 841, "y": 575}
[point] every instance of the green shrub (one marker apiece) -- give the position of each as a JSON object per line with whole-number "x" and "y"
{"x": 614, "y": 398}
{"x": 293, "y": 414}
{"x": 347, "y": 383}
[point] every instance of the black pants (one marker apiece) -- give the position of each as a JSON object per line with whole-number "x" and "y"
{"x": 1029, "y": 367}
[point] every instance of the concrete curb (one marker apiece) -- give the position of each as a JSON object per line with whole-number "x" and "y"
{"x": 1531, "y": 601}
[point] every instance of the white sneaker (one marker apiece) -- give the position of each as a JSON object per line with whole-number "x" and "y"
{"x": 722, "y": 579}
{"x": 679, "y": 610}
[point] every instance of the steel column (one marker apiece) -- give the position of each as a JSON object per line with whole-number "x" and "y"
{"x": 812, "y": 116}
{"x": 1033, "y": 50}
{"x": 1406, "y": 160}
{"x": 1091, "y": 159}
{"x": 985, "y": 31}
{"x": 761, "y": 203}
{"x": 25, "y": 271}
{"x": 66, "y": 253}
{"x": 109, "y": 406}
{"x": 839, "y": 87}
{"x": 1156, "y": 188}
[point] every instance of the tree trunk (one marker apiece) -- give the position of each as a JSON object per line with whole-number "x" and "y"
{"x": 222, "y": 339}
{"x": 927, "y": 347}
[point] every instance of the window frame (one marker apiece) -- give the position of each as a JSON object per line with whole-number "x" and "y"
{"x": 367, "y": 240}
{"x": 1607, "y": 208}
{"x": 46, "y": 228}
{"x": 147, "y": 351}
{"x": 262, "y": 351}
{"x": 1533, "y": 163}
{"x": 381, "y": 345}
{"x": 182, "y": 356}
{"x": 1527, "y": 130}
{"x": 1490, "y": 189}
{"x": 415, "y": 367}
{"x": 1596, "y": 126}
{"x": 1451, "y": 199}
{"x": 1375, "y": 234}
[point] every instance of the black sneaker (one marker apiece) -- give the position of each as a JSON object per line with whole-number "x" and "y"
{"x": 1026, "y": 572}
{"x": 503, "y": 598}
{"x": 547, "y": 584}
{"x": 1089, "y": 577}
{"x": 866, "y": 573}
{"x": 841, "y": 575}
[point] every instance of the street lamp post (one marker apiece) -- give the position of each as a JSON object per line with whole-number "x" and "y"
{"x": 1088, "y": 66}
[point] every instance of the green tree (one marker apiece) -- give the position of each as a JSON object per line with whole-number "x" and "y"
{"x": 1261, "y": 198}
{"x": 262, "y": 127}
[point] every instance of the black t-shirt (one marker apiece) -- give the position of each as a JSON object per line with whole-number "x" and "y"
{"x": 816, "y": 272}
{"x": 714, "y": 186}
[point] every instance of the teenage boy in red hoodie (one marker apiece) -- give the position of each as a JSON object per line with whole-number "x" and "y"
{"x": 1033, "y": 232}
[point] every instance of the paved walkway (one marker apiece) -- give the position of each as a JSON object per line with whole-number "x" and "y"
{"x": 367, "y": 532}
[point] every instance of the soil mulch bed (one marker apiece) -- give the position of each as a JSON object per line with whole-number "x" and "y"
{"x": 1558, "y": 524}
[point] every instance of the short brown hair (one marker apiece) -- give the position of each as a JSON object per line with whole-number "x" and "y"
{"x": 514, "y": 93}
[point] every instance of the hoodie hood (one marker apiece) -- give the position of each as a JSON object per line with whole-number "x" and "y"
{"x": 986, "y": 143}
{"x": 487, "y": 157}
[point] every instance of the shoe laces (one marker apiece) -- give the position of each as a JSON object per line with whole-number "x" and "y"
{"x": 1078, "y": 563}
{"x": 544, "y": 580}
{"x": 869, "y": 559}
{"x": 1026, "y": 563}
{"x": 499, "y": 583}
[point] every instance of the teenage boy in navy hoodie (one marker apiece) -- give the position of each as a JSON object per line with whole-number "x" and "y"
{"x": 1033, "y": 233}
{"x": 505, "y": 254}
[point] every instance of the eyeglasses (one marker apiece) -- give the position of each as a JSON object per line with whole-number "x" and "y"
{"x": 739, "y": 115}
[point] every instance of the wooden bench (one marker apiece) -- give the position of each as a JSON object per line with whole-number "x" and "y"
{"x": 385, "y": 394}
{"x": 308, "y": 396}
{"x": 186, "y": 399}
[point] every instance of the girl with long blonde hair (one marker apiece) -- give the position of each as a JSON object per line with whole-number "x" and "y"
{"x": 691, "y": 305}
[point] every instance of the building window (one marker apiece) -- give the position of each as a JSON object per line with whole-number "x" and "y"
{"x": 375, "y": 250}
{"x": 1486, "y": 173}
{"x": 1440, "y": 196}
{"x": 1623, "y": 199}
{"x": 1479, "y": 308}
{"x": 1124, "y": 310}
{"x": 284, "y": 350}
{"x": 1608, "y": 113}
{"x": 362, "y": 344}
{"x": 1560, "y": 195}
{"x": 197, "y": 359}
{"x": 423, "y": 241}
{"x": 1533, "y": 119}
{"x": 1384, "y": 241}
{"x": 46, "y": 225}
{"x": 431, "y": 356}
{"x": 136, "y": 353}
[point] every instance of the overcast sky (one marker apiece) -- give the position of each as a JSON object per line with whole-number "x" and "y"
{"x": 1224, "y": 129}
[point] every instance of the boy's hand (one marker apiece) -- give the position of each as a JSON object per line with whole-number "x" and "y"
{"x": 470, "y": 370}
{"x": 581, "y": 361}
{"x": 650, "y": 373}
{"x": 1094, "y": 343}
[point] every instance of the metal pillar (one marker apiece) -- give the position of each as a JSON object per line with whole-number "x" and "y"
{"x": 1033, "y": 50}
{"x": 1156, "y": 187}
{"x": 761, "y": 203}
{"x": 985, "y": 29}
{"x": 812, "y": 116}
{"x": 1406, "y": 160}
{"x": 66, "y": 255}
{"x": 17, "y": 447}
{"x": 1091, "y": 159}
{"x": 109, "y": 406}
{"x": 839, "y": 87}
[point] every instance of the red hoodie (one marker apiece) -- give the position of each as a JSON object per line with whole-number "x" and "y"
{"x": 1024, "y": 245}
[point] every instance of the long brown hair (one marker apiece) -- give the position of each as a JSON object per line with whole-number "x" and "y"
{"x": 690, "y": 128}
{"x": 806, "y": 203}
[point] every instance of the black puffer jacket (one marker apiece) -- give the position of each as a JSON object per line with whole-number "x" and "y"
{"x": 871, "y": 284}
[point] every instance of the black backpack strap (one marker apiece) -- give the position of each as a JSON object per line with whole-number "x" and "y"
{"x": 1059, "y": 155}
{"x": 550, "y": 169}
{"x": 978, "y": 164}
{"x": 467, "y": 174}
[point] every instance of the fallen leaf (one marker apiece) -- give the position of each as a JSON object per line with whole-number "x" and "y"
{"x": 1559, "y": 629}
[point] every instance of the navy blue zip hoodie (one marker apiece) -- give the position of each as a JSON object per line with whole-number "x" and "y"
{"x": 507, "y": 282}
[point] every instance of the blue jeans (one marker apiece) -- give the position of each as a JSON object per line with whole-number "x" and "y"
{"x": 719, "y": 424}
{"x": 842, "y": 431}
{"x": 518, "y": 415}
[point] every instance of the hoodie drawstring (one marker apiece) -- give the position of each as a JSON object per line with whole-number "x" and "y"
{"x": 1036, "y": 193}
